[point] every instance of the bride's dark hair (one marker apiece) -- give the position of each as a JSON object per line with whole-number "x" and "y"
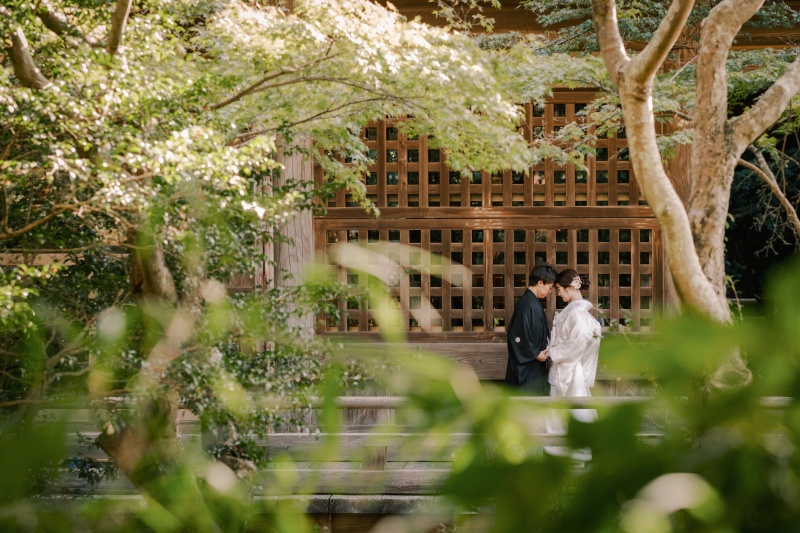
{"x": 565, "y": 278}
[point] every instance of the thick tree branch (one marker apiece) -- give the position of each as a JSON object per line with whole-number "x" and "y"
{"x": 718, "y": 31}
{"x": 768, "y": 110}
{"x": 149, "y": 274}
{"x": 57, "y": 210}
{"x": 24, "y": 68}
{"x": 118, "y": 23}
{"x": 59, "y": 25}
{"x": 54, "y": 22}
{"x": 763, "y": 171}
{"x": 714, "y": 152}
{"x": 645, "y": 65}
{"x": 604, "y": 15}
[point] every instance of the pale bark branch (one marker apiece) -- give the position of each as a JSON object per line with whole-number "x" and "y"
{"x": 76, "y": 373}
{"x": 118, "y": 22}
{"x": 768, "y": 110}
{"x": 604, "y": 15}
{"x": 268, "y": 77}
{"x": 718, "y": 31}
{"x": 645, "y": 65}
{"x": 24, "y": 68}
{"x": 322, "y": 114}
{"x": 765, "y": 173}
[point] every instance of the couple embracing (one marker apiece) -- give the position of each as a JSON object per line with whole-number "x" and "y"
{"x": 566, "y": 365}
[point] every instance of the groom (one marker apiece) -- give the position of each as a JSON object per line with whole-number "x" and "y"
{"x": 527, "y": 335}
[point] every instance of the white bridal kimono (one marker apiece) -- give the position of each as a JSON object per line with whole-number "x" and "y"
{"x": 574, "y": 348}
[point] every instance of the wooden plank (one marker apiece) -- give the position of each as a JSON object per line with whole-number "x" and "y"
{"x": 404, "y": 281}
{"x": 614, "y": 312}
{"x": 467, "y": 292}
{"x": 492, "y": 223}
{"x": 373, "y": 458}
{"x": 444, "y": 182}
{"x": 446, "y": 286}
{"x": 487, "y": 359}
{"x": 658, "y": 275}
{"x": 548, "y": 164}
{"x": 492, "y": 212}
{"x": 363, "y": 522}
{"x": 354, "y": 481}
{"x": 402, "y": 179}
{"x": 343, "y": 314}
{"x": 488, "y": 281}
{"x": 509, "y": 273}
{"x": 551, "y": 259}
{"x": 423, "y": 175}
{"x": 593, "y": 278}
{"x": 612, "y": 170}
{"x": 636, "y": 292}
{"x": 363, "y": 316}
{"x": 381, "y": 163}
{"x": 425, "y": 321}
{"x": 591, "y": 180}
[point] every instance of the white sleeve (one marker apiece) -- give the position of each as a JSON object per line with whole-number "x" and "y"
{"x": 576, "y": 336}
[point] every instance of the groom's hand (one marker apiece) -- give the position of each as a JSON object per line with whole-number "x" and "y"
{"x": 543, "y": 356}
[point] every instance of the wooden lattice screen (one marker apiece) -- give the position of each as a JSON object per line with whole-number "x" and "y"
{"x": 498, "y": 226}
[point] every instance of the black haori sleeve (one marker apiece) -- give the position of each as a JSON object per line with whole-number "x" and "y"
{"x": 527, "y": 337}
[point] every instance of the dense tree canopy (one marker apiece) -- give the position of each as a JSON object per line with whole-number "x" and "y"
{"x": 139, "y": 145}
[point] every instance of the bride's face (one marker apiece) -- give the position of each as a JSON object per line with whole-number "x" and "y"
{"x": 564, "y": 292}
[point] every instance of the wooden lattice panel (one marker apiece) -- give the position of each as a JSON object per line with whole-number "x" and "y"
{"x": 408, "y": 173}
{"x": 497, "y": 226}
{"x": 623, "y": 266}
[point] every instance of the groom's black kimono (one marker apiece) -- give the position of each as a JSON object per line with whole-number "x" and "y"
{"x": 527, "y": 336}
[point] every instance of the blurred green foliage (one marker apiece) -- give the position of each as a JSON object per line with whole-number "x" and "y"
{"x": 721, "y": 460}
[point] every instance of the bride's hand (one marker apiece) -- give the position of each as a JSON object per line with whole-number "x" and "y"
{"x": 543, "y": 356}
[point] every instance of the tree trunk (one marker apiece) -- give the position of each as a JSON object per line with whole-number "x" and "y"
{"x": 145, "y": 447}
{"x": 634, "y": 79}
{"x": 149, "y": 275}
{"x": 714, "y": 150}
{"x": 291, "y": 258}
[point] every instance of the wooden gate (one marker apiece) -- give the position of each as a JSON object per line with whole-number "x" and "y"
{"x": 498, "y": 226}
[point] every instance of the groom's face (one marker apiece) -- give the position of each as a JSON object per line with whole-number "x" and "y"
{"x": 543, "y": 289}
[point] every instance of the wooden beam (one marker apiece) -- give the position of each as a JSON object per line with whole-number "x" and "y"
{"x": 511, "y": 18}
{"x": 620, "y": 212}
{"x": 575, "y": 222}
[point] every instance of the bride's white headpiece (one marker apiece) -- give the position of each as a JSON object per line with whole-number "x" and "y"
{"x": 576, "y": 283}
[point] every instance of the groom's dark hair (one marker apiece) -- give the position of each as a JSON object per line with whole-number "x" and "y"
{"x": 542, "y": 272}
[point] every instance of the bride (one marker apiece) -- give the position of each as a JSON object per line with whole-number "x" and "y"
{"x": 574, "y": 348}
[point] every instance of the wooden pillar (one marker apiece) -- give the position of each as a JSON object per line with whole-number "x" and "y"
{"x": 373, "y": 457}
{"x": 291, "y": 258}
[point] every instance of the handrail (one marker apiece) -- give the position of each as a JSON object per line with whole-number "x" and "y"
{"x": 396, "y": 402}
